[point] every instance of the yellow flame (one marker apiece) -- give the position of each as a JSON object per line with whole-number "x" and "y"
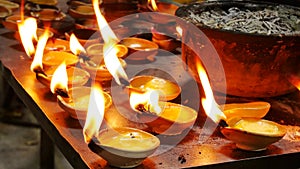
{"x": 27, "y": 30}
{"x": 111, "y": 60}
{"x": 209, "y": 103}
{"x": 113, "y": 63}
{"x": 37, "y": 62}
{"x": 60, "y": 78}
{"x": 75, "y": 46}
{"x": 153, "y": 5}
{"x": 105, "y": 30}
{"x": 149, "y": 100}
{"x": 179, "y": 30}
{"x": 95, "y": 113}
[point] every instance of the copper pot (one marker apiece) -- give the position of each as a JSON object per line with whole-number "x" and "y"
{"x": 255, "y": 65}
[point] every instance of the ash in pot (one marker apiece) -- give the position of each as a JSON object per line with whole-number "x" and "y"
{"x": 278, "y": 20}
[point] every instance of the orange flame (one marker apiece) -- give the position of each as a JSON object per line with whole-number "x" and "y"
{"x": 295, "y": 81}
{"x": 75, "y": 46}
{"x": 27, "y": 30}
{"x": 95, "y": 113}
{"x": 59, "y": 81}
{"x": 209, "y": 103}
{"x": 153, "y": 5}
{"x": 149, "y": 100}
{"x": 37, "y": 63}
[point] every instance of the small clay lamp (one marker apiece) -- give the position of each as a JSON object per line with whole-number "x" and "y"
{"x": 4, "y": 12}
{"x": 240, "y": 123}
{"x": 86, "y": 37}
{"x": 54, "y": 44}
{"x": 55, "y": 58}
{"x": 44, "y": 2}
{"x": 253, "y": 134}
{"x": 97, "y": 49}
{"x": 10, "y": 5}
{"x": 124, "y": 147}
{"x": 82, "y": 11}
{"x": 145, "y": 48}
{"x": 76, "y": 76}
{"x": 39, "y": 32}
{"x": 48, "y": 15}
{"x": 87, "y": 24}
{"x": 97, "y": 69}
{"x": 166, "y": 41}
{"x": 172, "y": 120}
{"x": 10, "y": 22}
{"x": 169, "y": 90}
{"x": 247, "y": 128}
{"x": 77, "y": 104}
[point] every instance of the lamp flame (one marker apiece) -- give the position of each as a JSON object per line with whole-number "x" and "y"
{"x": 209, "y": 103}
{"x": 113, "y": 63}
{"x": 27, "y": 30}
{"x": 179, "y": 31}
{"x": 75, "y": 46}
{"x": 295, "y": 81}
{"x": 111, "y": 60}
{"x": 59, "y": 81}
{"x": 105, "y": 30}
{"x": 37, "y": 63}
{"x": 153, "y": 5}
{"x": 148, "y": 100}
{"x": 95, "y": 113}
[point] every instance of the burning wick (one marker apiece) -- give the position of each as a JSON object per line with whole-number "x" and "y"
{"x": 37, "y": 63}
{"x": 59, "y": 81}
{"x": 209, "y": 103}
{"x": 78, "y": 50}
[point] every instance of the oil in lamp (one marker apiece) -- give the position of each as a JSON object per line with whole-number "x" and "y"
{"x": 55, "y": 44}
{"x": 169, "y": 90}
{"x": 122, "y": 147}
{"x": 246, "y": 129}
{"x": 140, "y": 49}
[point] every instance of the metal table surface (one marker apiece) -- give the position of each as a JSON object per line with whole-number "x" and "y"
{"x": 215, "y": 152}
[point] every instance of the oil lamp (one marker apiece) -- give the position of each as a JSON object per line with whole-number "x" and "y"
{"x": 112, "y": 63}
{"x": 169, "y": 90}
{"x": 11, "y": 22}
{"x": 55, "y": 44}
{"x": 85, "y": 36}
{"x": 163, "y": 7}
{"x": 164, "y": 118}
{"x": 92, "y": 63}
{"x": 146, "y": 50}
{"x": 48, "y": 15}
{"x": 77, "y": 106}
{"x": 121, "y": 146}
{"x": 241, "y": 126}
{"x": 59, "y": 81}
{"x": 80, "y": 10}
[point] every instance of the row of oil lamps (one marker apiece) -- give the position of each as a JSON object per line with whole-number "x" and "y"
{"x": 124, "y": 146}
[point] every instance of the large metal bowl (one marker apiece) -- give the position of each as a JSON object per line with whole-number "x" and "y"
{"x": 255, "y": 65}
